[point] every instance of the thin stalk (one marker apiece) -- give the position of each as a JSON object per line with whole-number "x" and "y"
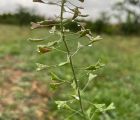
{"x": 70, "y": 58}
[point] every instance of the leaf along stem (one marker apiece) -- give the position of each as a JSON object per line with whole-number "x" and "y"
{"x": 70, "y": 57}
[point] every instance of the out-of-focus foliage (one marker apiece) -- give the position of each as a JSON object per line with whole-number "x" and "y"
{"x": 130, "y": 26}
{"x": 23, "y": 16}
{"x": 131, "y": 11}
{"x": 117, "y": 82}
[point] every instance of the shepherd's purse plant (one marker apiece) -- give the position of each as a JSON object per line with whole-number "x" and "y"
{"x": 76, "y": 105}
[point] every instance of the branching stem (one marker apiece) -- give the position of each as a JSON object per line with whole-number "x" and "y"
{"x": 70, "y": 57}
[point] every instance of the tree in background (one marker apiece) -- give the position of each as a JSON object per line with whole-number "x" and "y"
{"x": 21, "y": 17}
{"x": 130, "y": 8}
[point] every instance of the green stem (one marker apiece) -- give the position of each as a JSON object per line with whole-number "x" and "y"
{"x": 70, "y": 58}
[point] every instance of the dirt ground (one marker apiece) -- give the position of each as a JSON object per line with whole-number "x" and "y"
{"x": 22, "y": 97}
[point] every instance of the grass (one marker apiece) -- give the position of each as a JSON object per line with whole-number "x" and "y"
{"x": 118, "y": 82}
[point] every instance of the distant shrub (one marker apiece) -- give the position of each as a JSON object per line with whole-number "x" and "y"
{"x": 21, "y": 17}
{"x": 130, "y": 28}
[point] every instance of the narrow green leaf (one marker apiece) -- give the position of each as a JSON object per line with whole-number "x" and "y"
{"x": 76, "y": 97}
{"x": 79, "y": 45}
{"x": 54, "y": 77}
{"x": 93, "y": 40}
{"x": 63, "y": 63}
{"x": 100, "y": 107}
{"x": 44, "y": 22}
{"x": 91, "y": 76}
{"x": 97, "y": 38}
{"x": 62, "y": 105}
{"x": 103, "y": 108}
{"x": 55, "y": 85}
{"x": 88, "y": 112}
{"x": 41, "y": 66}
{"x": 73, "y": 85}
{"x": 35, "y": 25}
{"x": 111, "y": 107}
{"x": 98, "y": 65}
{"x": 92, "y": 67}
{"x": 84, "y": 32}
{"x": 35, "y": 40}
{"x": 76, "y": 13}
{"x": 52, "y": 44}
{"x": 41, "y": 1}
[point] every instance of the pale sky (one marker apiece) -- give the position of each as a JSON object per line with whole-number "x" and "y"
{"x": 92, "y": 7}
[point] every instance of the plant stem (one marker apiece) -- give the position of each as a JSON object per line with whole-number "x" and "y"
{"x": 70, "y": 57}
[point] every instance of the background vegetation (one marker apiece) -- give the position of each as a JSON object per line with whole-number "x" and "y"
{"x": 22, "y": 86}
{"x": 129, "y": 26}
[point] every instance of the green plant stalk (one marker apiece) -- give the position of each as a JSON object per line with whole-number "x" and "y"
{"x": 70, "y": 57}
